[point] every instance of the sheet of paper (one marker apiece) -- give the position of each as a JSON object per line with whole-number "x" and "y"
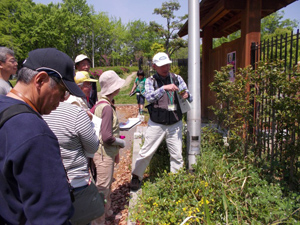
{"x": 96, "y": 123}
{"x": 131, "y": 122}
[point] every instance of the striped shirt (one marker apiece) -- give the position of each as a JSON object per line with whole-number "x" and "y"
{"x": 153, "y": 95}
{"x": 76, "y": 138}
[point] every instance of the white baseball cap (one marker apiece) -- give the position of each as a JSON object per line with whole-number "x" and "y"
{"x": 161, "y": 59}
{"x": 80, "y": 58}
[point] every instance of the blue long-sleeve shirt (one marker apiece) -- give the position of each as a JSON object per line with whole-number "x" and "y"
{"x": 33, "y": 183}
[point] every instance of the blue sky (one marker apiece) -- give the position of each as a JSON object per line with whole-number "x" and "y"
{"x": 130, "y": 10}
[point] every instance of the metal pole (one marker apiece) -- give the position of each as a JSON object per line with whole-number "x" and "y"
{"x": 93, "y": 53}
{"x": 194, "y": 115}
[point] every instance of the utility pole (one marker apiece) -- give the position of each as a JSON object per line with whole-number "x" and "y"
{"x": 194, "y": 115}
{"x": 93, "y": 51}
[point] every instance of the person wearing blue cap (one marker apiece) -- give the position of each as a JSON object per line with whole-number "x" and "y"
{"x": 34, "y": 188}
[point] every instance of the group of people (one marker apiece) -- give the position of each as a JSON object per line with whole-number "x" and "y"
{"x": 54, "y": 167}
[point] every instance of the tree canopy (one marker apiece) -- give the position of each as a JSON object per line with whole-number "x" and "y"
{"x": 73, "y": 27}
{"x": 172, "y": 42}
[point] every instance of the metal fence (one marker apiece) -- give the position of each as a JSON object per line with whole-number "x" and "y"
{"x": 284, "y": 47}
{"x": 275, "y": 142}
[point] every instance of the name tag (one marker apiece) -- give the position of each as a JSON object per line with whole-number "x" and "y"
{"x": 172, "y": 107}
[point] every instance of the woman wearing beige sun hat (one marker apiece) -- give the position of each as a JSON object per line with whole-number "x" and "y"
{"x": 110, "y": 143}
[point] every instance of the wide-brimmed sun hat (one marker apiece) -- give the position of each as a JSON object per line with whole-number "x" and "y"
{"x": 83, "y": 76}
{"x": 161, "y": 59}
{"x": 110, "y": 82}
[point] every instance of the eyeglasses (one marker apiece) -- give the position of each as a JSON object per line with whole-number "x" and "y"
{"x": 57, "y": 78}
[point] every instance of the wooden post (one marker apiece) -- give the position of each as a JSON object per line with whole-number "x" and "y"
{"x": 207, "y": 44}
{"x": 250, "y": 29}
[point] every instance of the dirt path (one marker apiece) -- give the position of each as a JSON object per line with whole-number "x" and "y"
{"x": 122, "y": 173}
{"x": 128, "y": 79}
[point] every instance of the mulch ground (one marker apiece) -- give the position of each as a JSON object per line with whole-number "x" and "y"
{"x": 122, "y": 174}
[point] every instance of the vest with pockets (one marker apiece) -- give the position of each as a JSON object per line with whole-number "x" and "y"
{"x": 158, "y": 110}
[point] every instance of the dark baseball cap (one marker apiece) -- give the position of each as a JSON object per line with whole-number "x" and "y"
{"x": 55, "y": 61}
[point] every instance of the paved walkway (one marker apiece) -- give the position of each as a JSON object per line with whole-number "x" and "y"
{"x": 137, "y": 141}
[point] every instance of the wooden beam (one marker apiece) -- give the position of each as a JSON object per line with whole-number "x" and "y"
{"x": 222, "y": 14}
{"x": 234, "y": 20}
{"x": 212, "y": 14}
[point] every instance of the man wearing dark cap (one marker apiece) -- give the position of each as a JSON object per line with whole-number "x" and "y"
{"x": 33, "y": 184}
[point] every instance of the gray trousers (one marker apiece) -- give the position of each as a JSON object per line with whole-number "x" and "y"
{"x": 155, "y": 134}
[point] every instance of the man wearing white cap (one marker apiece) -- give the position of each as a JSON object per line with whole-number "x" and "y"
{"x": 83, "y": 63}
{"x": 165, "y": 117}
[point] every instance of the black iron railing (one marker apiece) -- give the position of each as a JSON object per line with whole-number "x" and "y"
{"x": 276, "y": 143}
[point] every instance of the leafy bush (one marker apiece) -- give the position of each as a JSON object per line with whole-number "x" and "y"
{"x": 274, "y": 94}
{"x": 175, "y": 69}
{"x": 223, "y": 189}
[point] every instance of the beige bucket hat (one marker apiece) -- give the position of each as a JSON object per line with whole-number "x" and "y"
{"x": 110, "y": 82}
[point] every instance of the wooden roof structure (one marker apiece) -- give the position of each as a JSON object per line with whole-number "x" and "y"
{"x": 225, "y": 16}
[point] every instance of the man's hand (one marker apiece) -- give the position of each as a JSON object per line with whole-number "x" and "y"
{"x": 170, "y": 87}
{"x": 184, "y": 94}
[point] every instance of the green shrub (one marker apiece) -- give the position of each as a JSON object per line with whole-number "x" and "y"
{"x": 175, "y": 69}
{"x": 274, "y": 93}
{"x": 224, "y": 189}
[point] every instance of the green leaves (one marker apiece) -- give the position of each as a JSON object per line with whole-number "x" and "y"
{"x": 168, "y": 34}
{"x": 73, "y": 27}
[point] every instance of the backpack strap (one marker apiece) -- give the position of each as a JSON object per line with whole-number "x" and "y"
{"x": 14, "y": 110}
{"x": 155, "y": 85}
{"x": 98, "y": 103}
{"x": 175, "y": 78}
